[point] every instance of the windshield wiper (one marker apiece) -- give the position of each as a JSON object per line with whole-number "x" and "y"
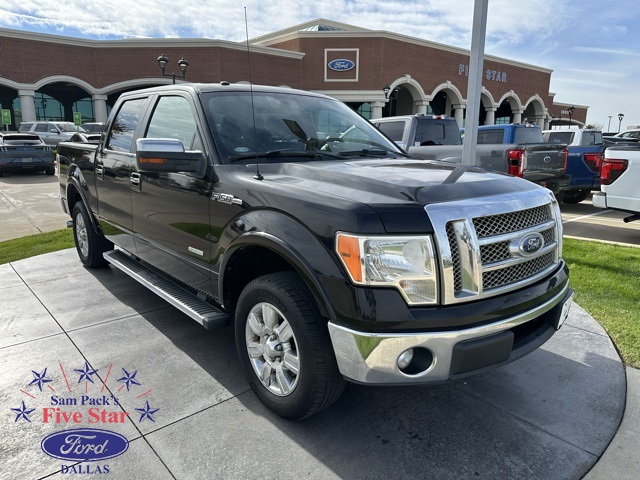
{"x": 366, "y": 152}
{"x": 273, "y": 153}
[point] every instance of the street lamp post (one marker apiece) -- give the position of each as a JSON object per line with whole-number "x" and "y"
{"x": 571, "y": 109}
{"x": 620, "y": 117}
{"x": 609, "y": 126}
{"x": 43, "y": 102}
{"x": 182, "y": 63}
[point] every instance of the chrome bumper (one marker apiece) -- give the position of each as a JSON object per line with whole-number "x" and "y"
{"x": 372, "y": 357}
{"x": 599, "y": 199}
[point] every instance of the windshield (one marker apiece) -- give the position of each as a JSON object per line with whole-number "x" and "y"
{"x": 289, "y": 127}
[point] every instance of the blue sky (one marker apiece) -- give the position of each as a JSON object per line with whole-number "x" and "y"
{"x": 592, "y": 46}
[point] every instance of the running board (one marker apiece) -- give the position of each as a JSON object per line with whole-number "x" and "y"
{"x": 204, "y": 313}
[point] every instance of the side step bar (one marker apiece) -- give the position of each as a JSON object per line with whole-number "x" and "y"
{"x": 209, "y": 316}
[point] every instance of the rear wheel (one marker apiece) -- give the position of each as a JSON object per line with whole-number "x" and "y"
{"x": 284, "y": 347}
{"x": 50, "y": 171}
{"x": 574, "y": 196}
{"x": 89, "y": 244}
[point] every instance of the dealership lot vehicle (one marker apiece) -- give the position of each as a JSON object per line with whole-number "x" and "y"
{"x": 333, "y": 253}
{"x": 51, "y": 133}
{"x": 619, "y": 179}
{"x": 20, "y": 152}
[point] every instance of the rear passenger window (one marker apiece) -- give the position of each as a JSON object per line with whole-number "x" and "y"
{"x": 43, "y": 127}
{"x": 124, "y": 125}
{"x": 172, "y": 118}
{"x": 393, "y": 130}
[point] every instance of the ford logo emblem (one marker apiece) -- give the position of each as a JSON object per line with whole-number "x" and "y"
{"x": 546, "y": 159}
{"x": 84, "y": 445}
{"x": 530, "y": 244}
{"x": 341, "y": 65}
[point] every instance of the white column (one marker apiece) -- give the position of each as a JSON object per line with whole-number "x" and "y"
{"x": 376, "y": 109}
{"x": 420, "y": 106}
{"x": 517, "y": 116}
{"x": 546, "y": 123}
{"x": 540, "y": 121}
{"x": 490, "y": 118}
{"x": 458, "y": 114}
{"x": 27, "y": 105}
{"x": 100, "y": 107}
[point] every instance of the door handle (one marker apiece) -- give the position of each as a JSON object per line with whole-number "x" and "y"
{"x": 100, "y": 171}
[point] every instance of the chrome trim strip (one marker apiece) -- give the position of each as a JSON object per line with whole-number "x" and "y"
{"x": 488, "y": 267}
{"x": 372, "y": 357}
{"x": 508, "y": 237}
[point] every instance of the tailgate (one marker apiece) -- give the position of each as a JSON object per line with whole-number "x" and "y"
{"x": 547, "y": 159}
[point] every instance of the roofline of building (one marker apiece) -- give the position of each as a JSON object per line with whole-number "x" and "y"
{"x": 147, "y": 43}
{"x": 352, "y": 31}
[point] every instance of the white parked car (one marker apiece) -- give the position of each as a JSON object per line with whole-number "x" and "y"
{"x": 619, "y": 181}
{"x": 51, "y": 133}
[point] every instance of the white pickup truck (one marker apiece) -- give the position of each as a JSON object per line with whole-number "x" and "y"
{"x": 620, "y": 189}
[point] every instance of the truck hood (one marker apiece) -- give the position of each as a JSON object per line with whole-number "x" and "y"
{"x": 391, "y": 181}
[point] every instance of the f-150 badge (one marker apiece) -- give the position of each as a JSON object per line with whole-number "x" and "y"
{"x": 225, "y": 198}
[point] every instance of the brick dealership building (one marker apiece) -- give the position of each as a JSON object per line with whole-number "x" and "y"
{"x": 378, "y": 73}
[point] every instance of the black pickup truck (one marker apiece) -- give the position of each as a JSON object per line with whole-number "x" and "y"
{"x": 334, "y": 255}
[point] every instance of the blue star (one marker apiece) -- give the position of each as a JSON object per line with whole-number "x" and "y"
{"x": 39, "y": 378}
{"x": 23, "y": 412}
{"x": 146, "y": 412}
{"x": 129, "y": 379}
{"x": 85, "y": 373}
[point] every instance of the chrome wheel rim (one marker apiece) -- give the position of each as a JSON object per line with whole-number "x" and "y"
{"x": 81, "y": 236}
{"x": 273, "y": 349}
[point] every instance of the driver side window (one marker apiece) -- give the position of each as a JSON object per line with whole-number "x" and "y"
{"x": 172, "y": 118}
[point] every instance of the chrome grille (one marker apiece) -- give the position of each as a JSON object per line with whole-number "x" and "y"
{"x": 511, "y": 222}
{"x": 516, "y": 273}
{"x": 482, "y": 243}
{"x": 455, "y": 255}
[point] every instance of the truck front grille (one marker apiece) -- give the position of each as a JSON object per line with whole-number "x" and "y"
{"x": 481, "y": 244}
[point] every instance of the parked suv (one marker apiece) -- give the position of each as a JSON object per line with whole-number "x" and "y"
{"x": 24, "y": 152}
{"x": 51, "y": 133}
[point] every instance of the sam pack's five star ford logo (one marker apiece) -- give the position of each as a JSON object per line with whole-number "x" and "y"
{"x": 85, "y": 403}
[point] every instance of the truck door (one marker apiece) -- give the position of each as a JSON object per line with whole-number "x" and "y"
{"x": 114, "y": 162}
{"x": 171, "y": 209}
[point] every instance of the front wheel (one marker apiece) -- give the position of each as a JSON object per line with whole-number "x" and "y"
{"x": 89, "y": 244}
{"x": 284, "y": 347}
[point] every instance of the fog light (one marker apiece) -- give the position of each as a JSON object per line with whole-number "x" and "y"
{"x": 405, "y": 359}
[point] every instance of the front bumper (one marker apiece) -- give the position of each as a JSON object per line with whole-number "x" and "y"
{"x": 372, "y": 358}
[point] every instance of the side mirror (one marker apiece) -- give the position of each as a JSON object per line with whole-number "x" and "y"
{"x": 168, "y": 155}
{"x": 53, "y": 130}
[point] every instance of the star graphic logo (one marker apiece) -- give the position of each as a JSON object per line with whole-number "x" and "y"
{"x": 129, "y": 379}
{"x": 24, "y": 413}
{"x": 147, "y": 412}
{"x": 85, "y": 373}
{"x": 39, "y": 378}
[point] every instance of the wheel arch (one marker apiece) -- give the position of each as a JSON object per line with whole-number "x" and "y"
{"x": 240, "y": 266}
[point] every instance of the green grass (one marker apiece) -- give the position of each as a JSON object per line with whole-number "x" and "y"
{"x": 19, "y": 248}
{"x": 606, "y": 279}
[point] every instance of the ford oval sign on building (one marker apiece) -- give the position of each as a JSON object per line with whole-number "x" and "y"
{"x": 84, "y": 445}
{"x": 341, "y": 65}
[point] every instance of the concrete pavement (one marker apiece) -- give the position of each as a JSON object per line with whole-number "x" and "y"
{"x": 550, "y": 415}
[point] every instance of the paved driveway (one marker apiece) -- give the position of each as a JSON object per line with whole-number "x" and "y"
{"x": 191, "y": 414}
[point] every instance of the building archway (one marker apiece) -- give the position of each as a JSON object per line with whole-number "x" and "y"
{"x": 535, "y": 112}
{"x": 509, "y": 109}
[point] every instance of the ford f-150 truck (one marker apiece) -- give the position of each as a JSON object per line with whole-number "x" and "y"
{"x": 333, "y": 254}
{"x": 516, "y": 149}
{"x": 585, "y": 154}
{"x": 619, "y": 181}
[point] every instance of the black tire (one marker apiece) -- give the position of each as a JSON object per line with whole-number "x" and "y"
{"x": 89, "y": 244}
{"x": 50, "y": 171}
{"x": 574, "y": 196}
{"x": 304, "y": 379}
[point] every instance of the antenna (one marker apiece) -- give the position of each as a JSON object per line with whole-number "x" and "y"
{"x": 257, "y": 175}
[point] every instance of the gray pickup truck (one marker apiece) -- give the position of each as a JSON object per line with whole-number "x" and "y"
{"x": 516, "y": 149}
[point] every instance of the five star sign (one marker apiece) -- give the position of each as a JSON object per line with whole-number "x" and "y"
{"x": 24, "y": 413}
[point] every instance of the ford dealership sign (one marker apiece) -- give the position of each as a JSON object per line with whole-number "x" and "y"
{"x": 341, "y": 65}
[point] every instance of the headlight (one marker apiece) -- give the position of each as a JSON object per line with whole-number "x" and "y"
{"x": 407, "y": 262}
